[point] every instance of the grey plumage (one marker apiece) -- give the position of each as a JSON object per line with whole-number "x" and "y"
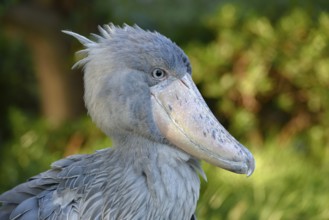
{"x": 89, "y": 186}
{"x": 149, "y": 173}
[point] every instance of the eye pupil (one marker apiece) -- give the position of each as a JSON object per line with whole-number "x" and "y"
{"x": 158, "y": 73}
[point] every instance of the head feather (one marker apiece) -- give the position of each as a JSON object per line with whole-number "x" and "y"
{"x": 123, "y": 44}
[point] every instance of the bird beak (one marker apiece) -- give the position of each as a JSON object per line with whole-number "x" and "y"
{"x": 184, "y": 118}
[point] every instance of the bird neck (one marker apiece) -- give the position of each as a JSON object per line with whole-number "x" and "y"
{"x": 170, "y": 175}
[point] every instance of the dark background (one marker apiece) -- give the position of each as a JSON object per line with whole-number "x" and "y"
{"x": 262, "y": 66}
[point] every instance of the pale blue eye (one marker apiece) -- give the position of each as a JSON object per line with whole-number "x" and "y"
{"x": 158, "y": 73}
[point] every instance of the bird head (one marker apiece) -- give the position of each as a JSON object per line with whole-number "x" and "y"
{"x": 139, "y": 83}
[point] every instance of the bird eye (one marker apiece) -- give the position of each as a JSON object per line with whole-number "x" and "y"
{"x": 158, "y": 73}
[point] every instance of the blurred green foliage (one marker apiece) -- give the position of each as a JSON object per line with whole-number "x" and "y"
{"x": 283, "y": 186}
{"x": 17, "y": 81}
{"x": 35, "y": 145}
{"x": 266, "y": 78}
{"x": 265, "y": 74}
{"x": 268, "y": 81}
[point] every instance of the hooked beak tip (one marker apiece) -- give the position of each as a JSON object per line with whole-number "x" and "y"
{"x": 189, "y": 124}
{"x": 251, "y": 168}
{"x": 250, "y": 164}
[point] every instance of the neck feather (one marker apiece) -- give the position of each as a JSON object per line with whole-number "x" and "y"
{"x": 160, "y": 179}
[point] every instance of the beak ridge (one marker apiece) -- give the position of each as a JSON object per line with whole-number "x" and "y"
{"x": 184, "y": 118}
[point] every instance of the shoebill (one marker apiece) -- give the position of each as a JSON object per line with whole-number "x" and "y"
{"x": 139, "y": 92}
